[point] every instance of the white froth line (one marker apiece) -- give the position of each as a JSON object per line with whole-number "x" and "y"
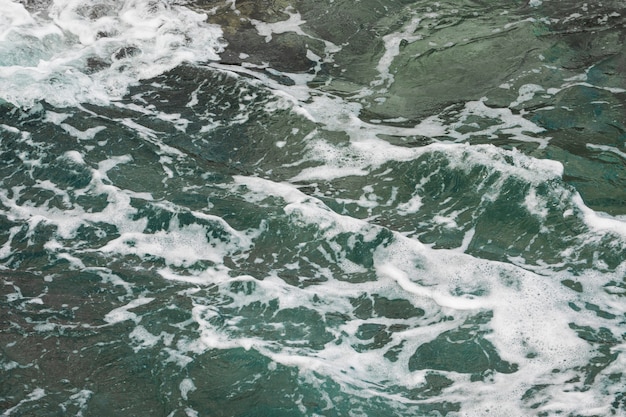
{"x": 151, "y": 136}
{"x": 467, "y": 239}
{"x": 10, "y": 129}
{"x": 367, "y": 154}
{"x": 607, "y": 149}
{"x": 121, "y": 313}
{"x": 599, "y": 220}
{"x": 88, "y": 134}
{"x": 36, "y": 394}
{"x": 392, "y": 49}
{"x": 266, "y": 188}
{"x": 614, "y": 90}
{"x": 106, "y": 165}
{"x": 309, "y": 366}
{"x": 401, "y": 277}
{"x": 207, "y": 277}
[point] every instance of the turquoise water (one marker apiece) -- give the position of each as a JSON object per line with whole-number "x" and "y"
{"x": 298, "y": 208}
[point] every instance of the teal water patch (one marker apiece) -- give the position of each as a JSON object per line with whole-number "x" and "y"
{"x": 462, "y": 350}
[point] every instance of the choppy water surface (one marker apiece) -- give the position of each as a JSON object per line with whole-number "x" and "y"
{"x": 312, "y": 208}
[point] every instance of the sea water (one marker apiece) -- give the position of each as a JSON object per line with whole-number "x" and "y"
{"x": 312, "y": 208}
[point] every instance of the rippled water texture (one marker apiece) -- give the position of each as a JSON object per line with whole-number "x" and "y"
{"x": 312, "y": 208}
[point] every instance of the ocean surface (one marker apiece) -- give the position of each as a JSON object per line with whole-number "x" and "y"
{"x": 364, "y": 208}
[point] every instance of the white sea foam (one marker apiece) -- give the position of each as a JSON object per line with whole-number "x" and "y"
{"x": 122, "y": 314}
{"x": 34, "y": 395}
{"x": 180, "y": 245}
{"x": 143, "y": 339}
{"x": 79, "y": 399}
{"x": 443, "y": 283}
{"x": 526, "y": 92}
{"x": 358, "y": 158}
{"x": 392, "y": 43}
{"x": 69, "y": 220}
{"x": 88, "y": 134}
{"x": 292, "y": 24}
{"x": 186, "y": 386}
{"x": 605, "y": 148}
{"x": 92, "y": 52}
{"x": 532, "y": 313}
{"x": 601, "y": 221}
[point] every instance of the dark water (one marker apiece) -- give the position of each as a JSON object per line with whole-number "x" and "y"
{"x": 298, "y": 208}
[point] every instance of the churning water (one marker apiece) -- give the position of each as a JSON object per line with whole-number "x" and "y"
{"x": 312, "y": 208}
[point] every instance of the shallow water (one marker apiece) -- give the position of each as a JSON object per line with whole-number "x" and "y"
{"x": 297, "y": 208}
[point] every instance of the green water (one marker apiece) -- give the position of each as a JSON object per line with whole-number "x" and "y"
{"x": 362, "y": 208}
